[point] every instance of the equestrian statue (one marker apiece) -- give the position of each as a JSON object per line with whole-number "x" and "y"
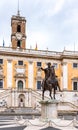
{"x": 50, "y": 81}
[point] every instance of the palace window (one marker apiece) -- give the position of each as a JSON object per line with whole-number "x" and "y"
{"x": 75, "y": 85}
{"x": 38, "y": 64}
{"x": 20, "y": 62}
{"x": 75, "y": 65}
{"x": 1, "y": 83}
{"x": 1, "y": 61}
{"x": 18, "y": 28}
{"x": 20, "y": 85}
{"x": 38, "y": 84}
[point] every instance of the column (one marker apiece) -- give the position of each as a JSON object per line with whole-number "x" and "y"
{"x": 13, "y": 98}
{"x": 65, "y": 76}
{"x": 30, "y": 75}
{"x": 9, "y": 73}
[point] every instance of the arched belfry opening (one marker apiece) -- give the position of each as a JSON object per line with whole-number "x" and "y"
{"x": 18, "y": 28}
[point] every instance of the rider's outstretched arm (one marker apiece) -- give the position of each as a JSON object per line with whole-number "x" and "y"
{"x": 42, "y": 69}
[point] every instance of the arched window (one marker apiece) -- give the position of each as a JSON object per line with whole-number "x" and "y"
{"x": 20, "y": 85}
{"x": 18, "y": 28}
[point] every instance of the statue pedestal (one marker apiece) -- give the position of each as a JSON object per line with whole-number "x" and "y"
{"x": 49, "y": 109}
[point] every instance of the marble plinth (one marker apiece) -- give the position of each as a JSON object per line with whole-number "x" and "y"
{"x": 49, "y": 109}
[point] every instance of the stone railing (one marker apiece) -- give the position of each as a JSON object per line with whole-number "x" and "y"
{"x": 38, "y": 52}
{"x": 30, "y": 51}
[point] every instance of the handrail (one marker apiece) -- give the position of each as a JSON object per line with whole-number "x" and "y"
{"x": 4, "y": 93}
{"x": 69, "y": 103}
{"x": 36, "y": 92}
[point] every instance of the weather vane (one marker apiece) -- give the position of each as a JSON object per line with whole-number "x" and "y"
{"x": 18, "y": 12}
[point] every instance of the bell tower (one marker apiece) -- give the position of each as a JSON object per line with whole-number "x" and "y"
{"x": 18, "y": 33}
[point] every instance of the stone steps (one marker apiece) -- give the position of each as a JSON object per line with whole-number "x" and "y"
{"x": 22, "y": 110}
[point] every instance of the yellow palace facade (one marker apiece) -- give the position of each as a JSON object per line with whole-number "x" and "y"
{"x": 20, "y": 76}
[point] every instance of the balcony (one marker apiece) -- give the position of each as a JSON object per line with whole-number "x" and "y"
{"x": 20, "y": 71}
{"x": 38, "y": 75}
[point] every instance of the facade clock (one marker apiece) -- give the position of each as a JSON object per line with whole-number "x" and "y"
{"x": 18, "y": 36}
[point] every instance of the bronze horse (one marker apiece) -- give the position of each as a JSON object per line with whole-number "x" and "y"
{"x": 50, "y": 83}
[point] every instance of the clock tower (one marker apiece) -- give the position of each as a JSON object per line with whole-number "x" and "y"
{"x": 18, "y": 34}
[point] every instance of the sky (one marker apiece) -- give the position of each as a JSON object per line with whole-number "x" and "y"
{"x": 51, "y": 24}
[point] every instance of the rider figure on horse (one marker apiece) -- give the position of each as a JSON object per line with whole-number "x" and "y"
{"x": 54, "y": 77}
{"x": 50, "y": 82}
{"x": 47, "y": 72}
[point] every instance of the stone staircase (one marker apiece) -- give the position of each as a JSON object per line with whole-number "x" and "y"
{"x": 26, "y": 110}
{"x": 65, "y": 104}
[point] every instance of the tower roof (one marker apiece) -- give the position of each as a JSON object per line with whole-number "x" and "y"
{"x": 16, "y": 17}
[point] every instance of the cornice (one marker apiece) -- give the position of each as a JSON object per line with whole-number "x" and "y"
{"x": 38, "y": 54}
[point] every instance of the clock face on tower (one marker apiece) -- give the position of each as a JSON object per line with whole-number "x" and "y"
{"x": 18, "y": 36}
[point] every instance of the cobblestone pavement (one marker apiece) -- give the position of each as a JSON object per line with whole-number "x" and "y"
{"x": 10, "y": 124}
{"x": 13, "y": 128}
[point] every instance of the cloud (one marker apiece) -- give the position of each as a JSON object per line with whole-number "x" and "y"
{"x": 58, "y": 5}
{"x": 50, "y": 23}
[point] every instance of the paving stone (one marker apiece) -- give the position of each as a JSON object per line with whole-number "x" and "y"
{"x": 50, "y": 128}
